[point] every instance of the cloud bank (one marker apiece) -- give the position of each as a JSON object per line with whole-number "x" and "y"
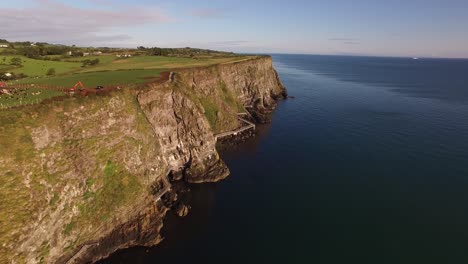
{"x": 47, "y": 20}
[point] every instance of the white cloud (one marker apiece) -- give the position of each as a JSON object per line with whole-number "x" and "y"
{"x": 51, "y": 21}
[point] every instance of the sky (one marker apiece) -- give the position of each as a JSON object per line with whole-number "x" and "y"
{"x": 415, "y": 28}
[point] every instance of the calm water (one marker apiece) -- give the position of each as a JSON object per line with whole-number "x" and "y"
{"x": 369, "y": 164}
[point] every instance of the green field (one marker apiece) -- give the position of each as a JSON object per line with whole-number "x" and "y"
{"x": 103, "y": 59}
{"x": 92, "y": 79}
{"x": 157, "y": 62}
{"x": 4, "y": 67}
{"x": 32, "y": 67}
{"x": 110, "y": 70}
{"x": 27, "y": 96}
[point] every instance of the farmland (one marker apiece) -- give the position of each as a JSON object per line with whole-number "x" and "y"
{"x": 31, "y": 67}
{"x": 108, "y": 69}
{"x": 92, "y": 79}
{"x": 157, "y": 62}
{"x": 26, "y": 96}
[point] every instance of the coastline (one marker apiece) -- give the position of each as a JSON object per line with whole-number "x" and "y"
{"x": 165, "y": 131}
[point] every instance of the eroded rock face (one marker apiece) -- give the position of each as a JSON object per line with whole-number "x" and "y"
{"x": 141, "y": 229}
{"x": 136, "y": 138}
{"x": 186, "y": 139}
{"x": 255, "y": 83}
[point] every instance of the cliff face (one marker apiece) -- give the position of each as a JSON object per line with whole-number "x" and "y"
{"x": 82, "y": 177}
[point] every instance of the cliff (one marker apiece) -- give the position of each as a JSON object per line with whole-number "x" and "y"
{"x": 86, "y": 176}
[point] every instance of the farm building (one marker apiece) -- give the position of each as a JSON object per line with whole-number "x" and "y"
{"x": 3, "y": 46}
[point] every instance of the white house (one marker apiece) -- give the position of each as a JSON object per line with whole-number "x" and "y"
{"x": 3, "y": 46}
{"x": 7, "y": 74}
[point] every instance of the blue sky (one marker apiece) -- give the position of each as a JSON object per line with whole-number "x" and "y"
{"x": 432, "y": 28}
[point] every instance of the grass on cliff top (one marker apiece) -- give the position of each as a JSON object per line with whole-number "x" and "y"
{"x": 109, "y": 71}
{"x": 26, "y": 97}
{"x": 36, "y": 69}
{"x": 160, "y": 62}
{"x": 92, "y": 79}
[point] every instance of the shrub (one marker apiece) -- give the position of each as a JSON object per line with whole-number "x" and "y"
{"x": 50, "y": 72}
{"x": 90, "y": 62}
{"x": 16, "y": 61}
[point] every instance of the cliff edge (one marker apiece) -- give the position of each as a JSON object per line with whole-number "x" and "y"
{"x": 86, "y": 176}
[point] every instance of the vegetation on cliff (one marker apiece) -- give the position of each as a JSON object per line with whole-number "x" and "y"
{"x": 71, "y": 158}
{"x": 75, "y": 169}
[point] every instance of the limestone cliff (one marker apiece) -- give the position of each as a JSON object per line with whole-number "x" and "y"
{"x": 83, "y": 177}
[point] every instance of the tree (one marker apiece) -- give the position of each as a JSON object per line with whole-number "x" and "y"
{"x": 90, "y": 62}
{"x": 50, "y": 72}
{"x": 94, "y": 62}
{"x": 30, "y": 52}
{"x": 16, "y": 61}
{"x": 77, "y": 54}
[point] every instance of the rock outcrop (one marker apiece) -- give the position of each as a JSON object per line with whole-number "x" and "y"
{"x": 87, "y": 175}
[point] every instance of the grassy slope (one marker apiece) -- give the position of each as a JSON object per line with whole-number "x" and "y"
{"x": 27, "y": 188}
{"x": 4, "y": 67}
{"x": 220, "y": 108}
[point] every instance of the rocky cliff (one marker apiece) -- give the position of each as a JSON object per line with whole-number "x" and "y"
{"x": 83, "y": 177}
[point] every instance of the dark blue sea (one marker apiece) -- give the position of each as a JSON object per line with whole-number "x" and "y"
{"x": 368, "y": 164}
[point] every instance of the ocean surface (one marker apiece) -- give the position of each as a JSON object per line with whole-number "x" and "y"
{"x": 368, "y": 164}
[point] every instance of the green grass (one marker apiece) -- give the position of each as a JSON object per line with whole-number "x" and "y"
{"x": 158, "y": 62}
{"x": 107, "y": 186}
{"x": 33, "y": 68}
{"x": 116, "y": 188}
{"x": 16, "y": 209}
{"x": 109, "y": 71}
{"x": 103, "y": 59}
{"x": 92, "y": 79}
{"x": 27, "y": 96}
{"x": 4, "y": 67}
{"x": 211, "y": 112}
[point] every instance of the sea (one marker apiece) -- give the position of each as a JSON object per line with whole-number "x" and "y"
{"x": 368, "y": 163}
